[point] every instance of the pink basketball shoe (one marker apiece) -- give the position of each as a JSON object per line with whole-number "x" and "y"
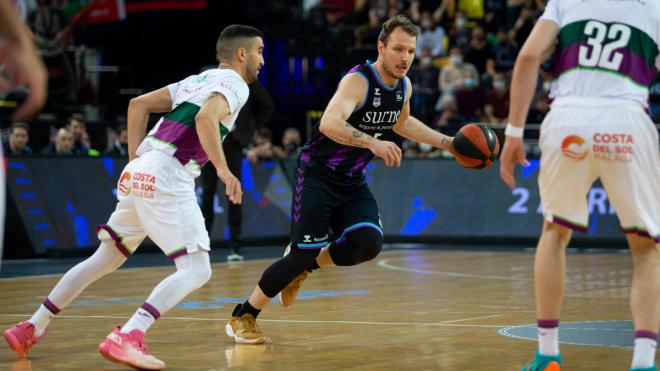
{"x": 21, "y": 338}
{"x": 130, "y": 350}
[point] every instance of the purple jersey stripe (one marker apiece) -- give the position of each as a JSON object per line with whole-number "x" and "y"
{"x": 632, "y": 65}
{"x": 361, "y": 162}
{"x": 339, "y": 156}
{"x": 184, "y": 138}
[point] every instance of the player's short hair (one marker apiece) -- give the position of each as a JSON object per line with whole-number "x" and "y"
{"x": 19, "y": 125}
{"x": 234, "y": 37}
{"x": 397, "y": 21}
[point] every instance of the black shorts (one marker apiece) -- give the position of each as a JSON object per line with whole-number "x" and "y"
{"x": 322, "y": 200}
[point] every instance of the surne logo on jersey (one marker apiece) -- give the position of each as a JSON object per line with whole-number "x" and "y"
{"x": 381, "y": 117}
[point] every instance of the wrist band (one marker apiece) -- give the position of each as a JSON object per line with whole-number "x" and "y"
{"x": 514, "y": 131}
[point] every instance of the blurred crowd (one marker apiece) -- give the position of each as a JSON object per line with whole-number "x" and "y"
{"x": 462, "y": 71}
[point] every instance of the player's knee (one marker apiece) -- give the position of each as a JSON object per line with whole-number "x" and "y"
{"x": 558, "y": 233}
{"x": 199, "y": 271}
{"x": 367, "y": 244}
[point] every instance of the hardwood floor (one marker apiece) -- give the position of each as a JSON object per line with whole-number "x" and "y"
{"x": 407, "y": 309}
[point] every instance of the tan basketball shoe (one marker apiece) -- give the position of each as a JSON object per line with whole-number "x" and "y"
{"x": 289, "y": 294}
{"x": 244, "y": 330}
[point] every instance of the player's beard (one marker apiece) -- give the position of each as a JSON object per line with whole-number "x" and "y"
{"x": 390, "y": 71}
{"x": 253, "y": 74}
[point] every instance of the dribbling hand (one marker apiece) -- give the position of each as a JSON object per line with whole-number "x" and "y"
{"x": 388, "y": 151}
{"x": 233, "y": 188}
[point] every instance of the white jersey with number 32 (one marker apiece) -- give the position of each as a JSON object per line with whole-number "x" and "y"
{"x": 606, "y": 48}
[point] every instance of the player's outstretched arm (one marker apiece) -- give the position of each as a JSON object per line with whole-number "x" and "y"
{"x": 525, "y": 73}
{"x": 139, "y": 108}
{"x": 348, "y": 96}
{"x": 412, "y": 128}
{"x": 206, "y": 122}
{"x": 21, "y": 63}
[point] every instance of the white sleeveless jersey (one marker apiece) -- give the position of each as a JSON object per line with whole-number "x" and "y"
{"x": 175, "y": 133}
{"x": 606, "y": 48}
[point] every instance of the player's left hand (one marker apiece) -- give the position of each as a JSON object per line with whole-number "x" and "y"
{"x": 233, "y": 188}
{"x": 512, "y": 153}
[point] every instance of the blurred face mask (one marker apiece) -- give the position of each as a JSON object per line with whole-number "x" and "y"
{"x": 425, "y": 61}
{"x": 469, "y": 82}
{"x": 499, "y": 85}
{"x": 456, "y": 59}
{"x": 461, "y": 22}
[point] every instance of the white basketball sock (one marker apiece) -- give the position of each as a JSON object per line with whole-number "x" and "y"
{"x": 644, "y": 354}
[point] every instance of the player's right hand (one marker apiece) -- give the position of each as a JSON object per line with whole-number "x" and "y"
{"x": 512, "y": 153}
{"x": 388, "y": 151}
{"x": 233, "y": 188}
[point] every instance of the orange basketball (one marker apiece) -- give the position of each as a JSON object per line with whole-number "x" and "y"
{"x": 475, "y": 146}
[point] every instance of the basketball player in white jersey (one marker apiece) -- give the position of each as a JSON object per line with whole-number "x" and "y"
{"x": 605, "y": 59}
{"x": 157, "y": 197}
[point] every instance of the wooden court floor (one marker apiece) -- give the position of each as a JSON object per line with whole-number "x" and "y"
{"x": 405, "y": 310}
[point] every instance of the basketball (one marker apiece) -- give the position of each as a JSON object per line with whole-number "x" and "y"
{"x": 475, "y": 146}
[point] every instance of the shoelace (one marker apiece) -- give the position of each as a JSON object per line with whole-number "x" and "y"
{"x": 249, "y": 323}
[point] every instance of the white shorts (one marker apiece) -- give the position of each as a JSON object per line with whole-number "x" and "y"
{"x": 157, "y": 199}
{"x": 586, "y": 138}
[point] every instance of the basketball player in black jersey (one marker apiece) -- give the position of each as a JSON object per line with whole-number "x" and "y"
{"x": 366, "y": 117}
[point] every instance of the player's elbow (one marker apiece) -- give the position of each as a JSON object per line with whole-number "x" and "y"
{"x": 324, "y": 125}
{"x": 529, "y": 56}
{"x": 202, "y": 117}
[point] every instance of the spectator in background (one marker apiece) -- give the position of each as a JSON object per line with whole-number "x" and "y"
{"x": 449, "y": 120}
{"x": 262, "y": 148}
{"x": 480, "y": 52}
{"x": 431, "y": 37}
{"x": 470, "y": 98}
{"x": 540, "y": 107}
{"x": 452, "y": 74}
{"x": 523, "y": 26}
{"x": 367, "y": 35}
{"x": 496, "y": 108}
{"x": 63, "y": 144}
{"x": 459, "y": 36}
{"x": 17, "y": 142}
{"x": 81, "y": 144}
{"x": 424, "y": 78}
{"x": 291, "y": 141}
{"x": 120, "y": 145}
{"x": 52, "y": 33}
{"x": 504, "y": 53}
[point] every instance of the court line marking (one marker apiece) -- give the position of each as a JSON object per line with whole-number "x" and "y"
{"x": 385, "y": 263}
{"x": 449, "y": 323}
{"x": 505, "y": 332}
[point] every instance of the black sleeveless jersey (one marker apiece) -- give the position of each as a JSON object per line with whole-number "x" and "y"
{"x": 376, "y": 116}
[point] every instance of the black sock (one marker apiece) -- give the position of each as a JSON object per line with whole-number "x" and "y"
{"x": 241, "y": 309}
